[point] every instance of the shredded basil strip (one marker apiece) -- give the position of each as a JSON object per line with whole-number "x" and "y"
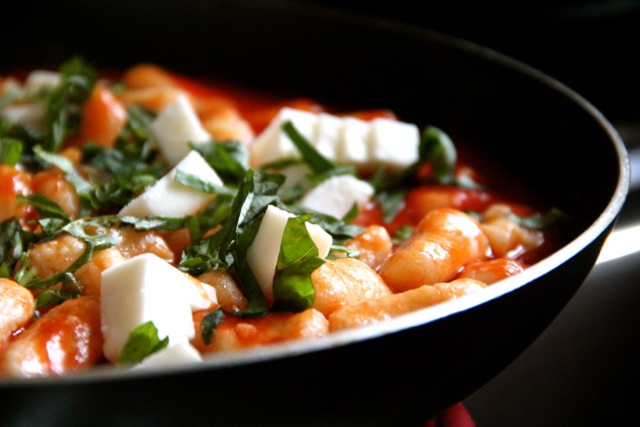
{"x": 540, "y": 221}
{"x": 10, "y": 151}
{"x": 14, "y": 242}
{"x": 46, "y": 207}
{"x": 218, "y": 251}
{"x": 64, "y": 103}
{"x": 142, "y": 342}
{"x": 209, "y": 323}
{"x": 37, "y": 283}
{"x": 438, "y": 149}
{"x": 339, "y": 230}
{"x": 197, "y": 183}
{"x": 298, "y": 257}
{"x": 317, "y": 162}
{"x": 230, "y": 159}
{"x": 82, "y": 186}
{"x": 52, "y": 297}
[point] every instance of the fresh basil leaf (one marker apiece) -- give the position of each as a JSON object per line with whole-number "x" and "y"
{"x": 339, "y": 230}
{"x": 317, "y": 162}
{"x": 149, "y": 223}
{"x": 135, "y": 135}
{"x": 391, "y": 202}
{"x": 298, "y": 257}
{"x": 197, "y": 183}
{"x": 82, "y": 186}
{"x": 257, "y": 302}
{"x": 339, "y": 249}
{"x": 14, "y": 241}
{"x": 52, "y": 297}
{"x": 28, "y": 139}
{"x": 216, "y": 252}
{"x": 437, "y": 148}
{"x": 10, "y": 151}
{"x": 209, "y": 323}
{"x": 46, "y": 207}
{"x": 142, "y": 342}
{"x": 64, "y": 103}
{"x": 38, "y": 283}
{"x": 121, "y": 172}
{"x": 540, "y": 221}
{"x": 402, "y": 234}
{"x": 230, "y": 159}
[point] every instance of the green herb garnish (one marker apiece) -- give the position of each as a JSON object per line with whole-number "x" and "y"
{"x": 143, "y": 341}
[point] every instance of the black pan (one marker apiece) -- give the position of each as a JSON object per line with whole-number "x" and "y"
{"x": 396, "y": 373}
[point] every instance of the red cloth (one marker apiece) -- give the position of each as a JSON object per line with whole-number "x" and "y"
{"x": 454, "y": 416}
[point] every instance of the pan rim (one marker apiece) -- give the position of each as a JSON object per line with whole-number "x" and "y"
{"x": 420, "y": 317}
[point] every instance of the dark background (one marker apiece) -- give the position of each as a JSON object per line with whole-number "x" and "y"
{"x": 584, "y": 370}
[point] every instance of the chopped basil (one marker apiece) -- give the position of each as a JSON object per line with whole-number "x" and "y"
{"x": 317, "y": 162}
{"x": 122, "y": 172}
{"x": 135, "y": 134}
{"x": 64, "y": 103}
{"x": 540, "y": 221}
{"x": 292, "y": 286}
{"x": 200, "y": 184}
{"x": 46, "y": 207}
{"x": 339, "y": 249}
{"x": 51, "y": 298}
{"x": 437, "y": 148}
{"x": 32, "y": 282}
{"x": 82, "y": 186}
{"x": 209, "y": 323}
{"x": 230, "y": 159}
{"x": 402, "y": 234}
{"x": 142, "y": 342}
{"x": 218, "y": 251}
{"x": 339, "y": 230}
{"x": 391, "y": 202}
{"x": 14, "y": 241}
{"x": 10, "y": 151}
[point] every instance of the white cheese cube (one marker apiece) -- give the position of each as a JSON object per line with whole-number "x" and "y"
{"x": 175, "y": 127}
{"x": 262, "y": 255}
{"x": 199, "y": 295}
{"x": 393, "y": 143}
{"x": 141, "y": 289}
{"x": 41, "y": 79}
{"x": 327, "y": 134}
{"x": 352, "y": 147}
{"x": 169, "y": 198}
{"x": 273, "y": 143}
{"x": 179, "y": 354}
{"x": 321, "y": 238}
{"x": 31, "y": 114}
{"x": 335, "y": 196}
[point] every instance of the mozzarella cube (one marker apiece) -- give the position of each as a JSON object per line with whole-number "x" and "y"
{"x": 262, "y": 255}
{"x": 169, "y": 198}
{"x": 321, "y": 238}
{"x": 179, "y": 354}
{"x": 38, "y": 80}
{"x": 31, "y": 114}
{"x": 327, "y": 135}
{"x": 393, "y": 143}
{"x": 175, "y": 127}
{"x": 336, "y": 195}
{"x": 199, "y": 295}
{"x": 141, "y": 289}
{"x": 352, "y": 147}
{"x": 274, "y": 144}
